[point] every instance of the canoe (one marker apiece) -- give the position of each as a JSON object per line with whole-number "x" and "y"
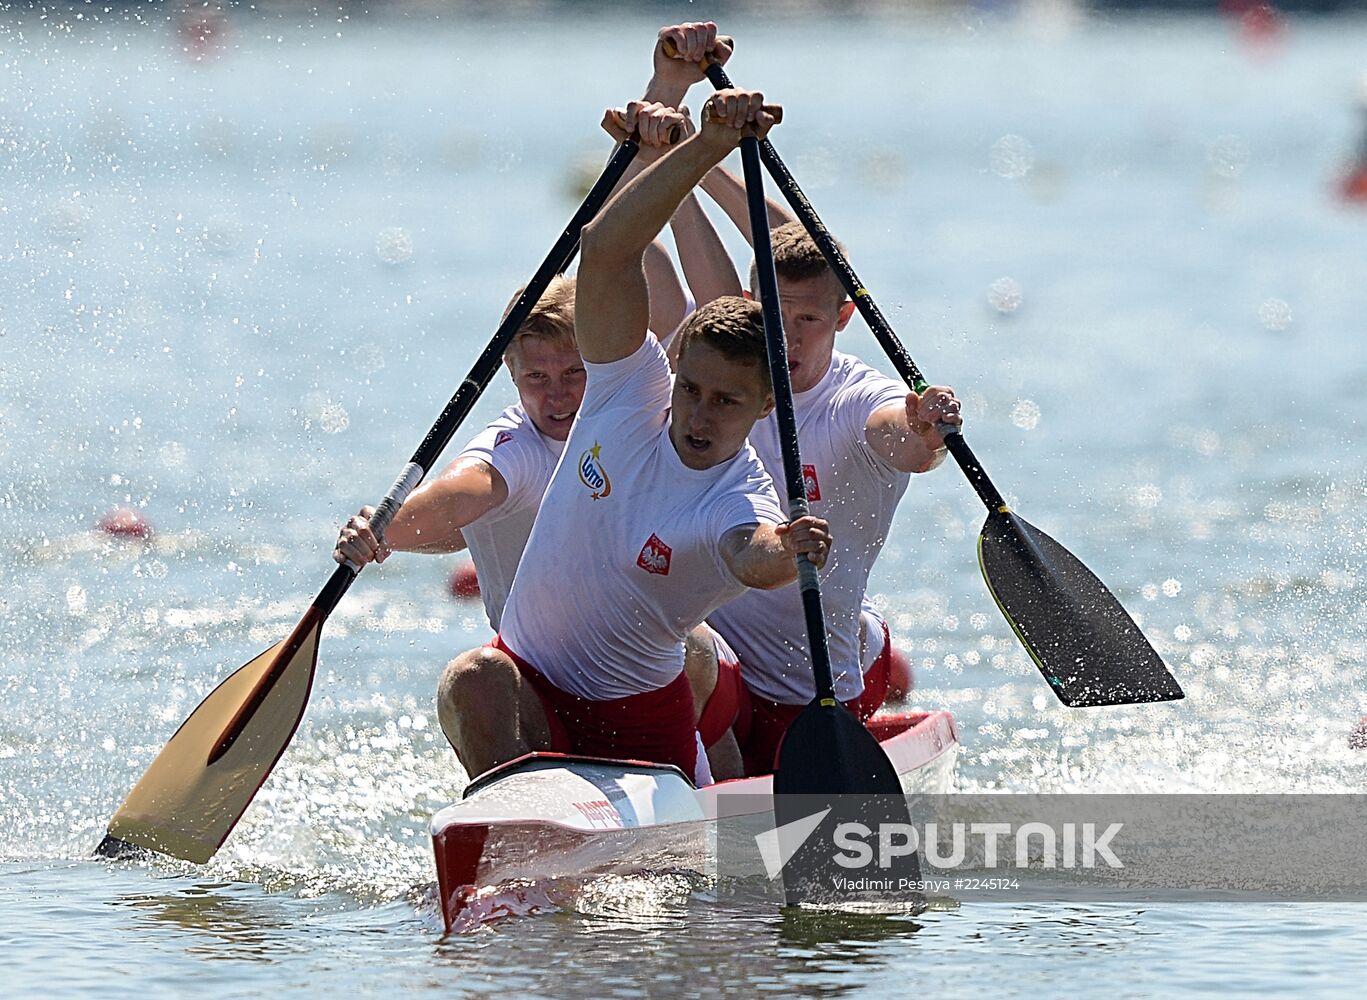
{"x": 549, "y": 816}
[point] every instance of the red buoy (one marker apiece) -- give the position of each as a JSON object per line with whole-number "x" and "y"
{"x": 901, "y": 676}
{"x": 1353, "y": 187}
{"x": 123, "y": 522}
{"x": 464, "y": 583}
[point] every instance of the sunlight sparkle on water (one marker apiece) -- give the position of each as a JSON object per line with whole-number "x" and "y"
{"x": 394, "y": 245}
{"x": 1228, "y": 155}
{"x": 1004, "y": 295}
{"x": 1275, "y": 315}
{"x": 1025, "y": 414}
{"x": 1011, "y": 157}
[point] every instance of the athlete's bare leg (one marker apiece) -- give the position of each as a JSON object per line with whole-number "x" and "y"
{"x": 700, "y": 664}
{"x": 489, "y": 713}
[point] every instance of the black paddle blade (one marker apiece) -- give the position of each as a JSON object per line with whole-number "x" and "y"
{"x": 827, "y": 751}
{"x": 832, "y": 774}
{"x": 1088, "y": 648}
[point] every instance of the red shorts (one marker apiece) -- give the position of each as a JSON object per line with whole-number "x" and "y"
{"x": 762, "y": 723}
{"x": 655, "y": 726}
{"x": 727, "y": 699}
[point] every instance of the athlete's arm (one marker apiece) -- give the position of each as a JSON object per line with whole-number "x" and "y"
{"x": 905, "y": 435}
{"x": 764, "y": 556}
{"x": 668, "y": 302}
{"x": 612, "y": 302}
{"x": 673, "y": 75}
{"x": 728, "y": 191}
{"x": 431, "y": 519}
{"x": 706, "y": 265}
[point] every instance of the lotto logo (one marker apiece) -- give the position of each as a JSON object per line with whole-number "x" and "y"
{"x": 503, "y": 438}
{"x": 654, "y": 557}
{"x": 593, "y": 475}
{"x": 810, "y": 481}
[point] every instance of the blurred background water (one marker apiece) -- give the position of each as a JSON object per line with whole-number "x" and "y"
{"x": 247, "y": 257}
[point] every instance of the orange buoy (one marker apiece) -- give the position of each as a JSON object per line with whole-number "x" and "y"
{"x": 123, "y": 522}
{"x": 464, "y": 583}
{"x": 901, "y": 677}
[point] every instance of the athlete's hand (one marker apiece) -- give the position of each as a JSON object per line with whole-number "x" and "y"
{"x": 937, "y": 405}
{"x": 653, "y": 123}
{"x": 358, "y": 543}
{"x": 809, "y": 536}
{"x": 730, "y": 115}
{"x": 691, "y": 40}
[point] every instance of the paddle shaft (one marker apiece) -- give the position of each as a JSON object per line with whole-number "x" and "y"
{"x": 809, "y": 580}
{"x": 882, "y": 330}
{"x": 457, "y": 409}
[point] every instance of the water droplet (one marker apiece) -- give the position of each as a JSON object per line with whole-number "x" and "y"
{"x": 1147, "y": 496}
{"x": 1171, "y": 587}
{"x": 1275, "y": 315}
{"x": 1004, "y": 295}
{"x": 1025, "y": 414}
{"x": 172, "y": 454}
{"x": 1228, "y": 155}
{"x": 333, "y": 418}
{"x": 1011, "y": 157}
{"x": 394, "y": 245}
{"x": 75, "y": 599}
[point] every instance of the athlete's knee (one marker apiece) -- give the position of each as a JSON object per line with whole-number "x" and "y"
{"x": 474, "y": 674}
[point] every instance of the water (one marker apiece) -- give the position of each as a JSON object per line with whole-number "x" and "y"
{"x": 239, "y": 289}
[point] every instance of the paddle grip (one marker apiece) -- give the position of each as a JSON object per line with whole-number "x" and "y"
{"x": 672, "y": 50}
{"x": 406, "y": 483}
{"x": 675, "y": 134}
{"x": 775, "y": 112}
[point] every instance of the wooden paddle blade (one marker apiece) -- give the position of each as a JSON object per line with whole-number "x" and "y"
{"x": 1088, "y": 648}
{"x": 827, "y": 751}
{"x": 185, "y": 806}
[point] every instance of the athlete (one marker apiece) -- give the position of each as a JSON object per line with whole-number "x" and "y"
{"x": 659, "y": 513}
{"x": 487, "y": 498}
{"x": 861, "y": 436}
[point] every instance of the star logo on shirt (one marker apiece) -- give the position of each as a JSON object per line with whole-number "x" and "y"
{"x": 593, "y": 475}
{"x": 654, "y": 557}
{"x": 810, "y": 481}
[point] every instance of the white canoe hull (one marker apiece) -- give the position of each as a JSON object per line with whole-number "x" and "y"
{"x": 549, "y": 816}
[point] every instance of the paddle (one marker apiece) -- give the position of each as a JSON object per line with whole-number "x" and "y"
{"x": 197, "y": 788}
{"x": 826, "y": 750}
{"x": 1084, "y": 643}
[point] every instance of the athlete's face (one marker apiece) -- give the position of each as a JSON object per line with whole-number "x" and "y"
{"x": 814, "y": 311}
{"x": 716, "y": 402}
{"x": 550, "y": 382}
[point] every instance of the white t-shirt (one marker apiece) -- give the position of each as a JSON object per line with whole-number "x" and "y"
{"x": 525, "y": 458}
{"x": 625, "y": 556}
{"x": 854, "y": 489}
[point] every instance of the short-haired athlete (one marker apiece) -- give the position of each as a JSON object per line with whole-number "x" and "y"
{"x": 860, "y": 434}
{"x": 487, "y": 498}
{"x": 658, "y": 515}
